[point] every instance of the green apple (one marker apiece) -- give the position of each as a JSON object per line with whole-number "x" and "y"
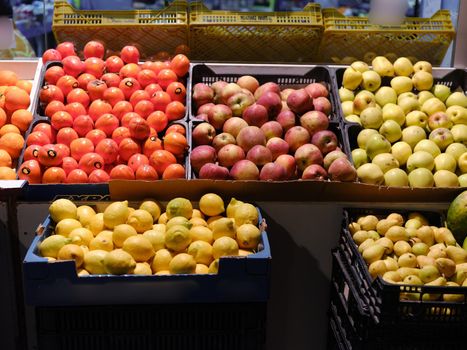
{"x": 383, "y": 66}
{"x": 364, "y": 135}
{"x": 396, "y": 178}
{"x": 432, "y": 106}
{"x": 370, "y": 174}
{"x": 406, "y": 94}
{"x": 420, "y": 159}
{"x": 428, "y": 146}
{"x": 457, "y": 114}
{"x": 359, "y": 157}
{"x": 347, "y": 108}
{"x": 385, "y": 161}
{"x": 417, "y": 118}
{"x": 353, "y": 118}
{"x": 360, "y": 66}
{"x": 457, "y": 99}
{"x": 456, "y": 149}
{"x": 421, "y": 178}
{"x": 403, "y": 67}
{"x": 391, "y": 130}
{"x": 363, "y": 100}
{"x": 439, "y": 120}
{"x": 401, "y": 84}
{"x": 445, "y": 178}
{"x": 424, "y": 96}
{"x": 445, "y": 161}
{"x": 377, "y": 144}
{"x": 423, "y": 66}
{"x": 441, "y": 91}
{"x": 385, "y": 95}
{"x": 442, "y": 137}
{"x": 394, "y": 112}
{"x": 463, "y": 180}
{"x": 459, "y": 132}
{"x": 371, "y": 118}
{"x": 422, "y": 80}
{"x": 401, "y": 151}
{"x": 462, "y": 163}
{"x": 371, "y": 80}
{"x": 346, "y": 94}
{"x": 352, "y": 78}
{"x": 409, "y": 104}
{"x": 413, "y": 135}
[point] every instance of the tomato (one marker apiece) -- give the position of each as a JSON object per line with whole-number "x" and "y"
{"x": 125, "y": 121}
{"x": 138, "y": 95}
{"x": 54, "y": 175}
{"x": 72, "y": 65}
{"x": 130, "y": 70}
{"x": 156, "y": 66}
{"x": 95, "y": 136}
{"x": 113, "y": 64}
{"x": 66, "y": 135}
{"x": 84, "y": 79}
{"x": 120, "y": 133}
{"x": 66, "y": 49}
{"x": 139, "y": 128}
{"x": 152, "y": 144}
{"x": 77, "y": 176}
{"x": 54, "y": 106}
{"x": 98, "y": 176}
{"x": 94, "y": 49}
{"x": 63, "y": 150}
{"x": 47, "y": 129}
{"x": 82, "y": 125}
{"x": 127, "y": 148}
{"x": 152, "y": 88}
{"x": 108, "y": 150}
{"x": 66, "y": 84}
{"x": 176, "y": 128}
{"x": 130, "y": 54}
{"x": 98, "y": 108}
{"x": 90, "y": 162}
{"x": 95, "y": 89}
{"x": 80, "y": 147}
{"x": 146, "y": 172}
{"x": 51, "y": 93}
{"x": 177, "y": 92}
{"x": 37, "y": 138}
{"x": 78, "y": 95}
{"x": 31, "y": 152}
{"x": 111, "y": 79}
{"x": 107, "y": 123}
{"x": 180, "y": 64}
{"x": 160, "y": 100}
{"x": 160, "y": 160}
{"x": 53, "y": 73}
{"x": 175, "y": 110}
{"x": 136, "y": 160}
{"x": 75, "y": 109}
{"x": 113, "y": 95}
{"x": 165, "y": 77}
{"x": 144, "y": 108}
{"x": 30, "y": 171}
{"x": 174, "y": 171}
{"x": 128, "y": 86}
{"x": 94, "y": 66}
{"x": 69, "y": 164}
{"x": 175, "y": 143}
{"x": 51, "y": 55}
{"x": 49, "y": 156}
{"x": 146, "y": 77}
{"x": 122, "y": 172}
{"x": 61, "y": 119}
{"x": 157, "y": 120}
{"x": 121, "y": 108}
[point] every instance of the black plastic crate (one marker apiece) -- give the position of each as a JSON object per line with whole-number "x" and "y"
{"x": 190, "y": 326}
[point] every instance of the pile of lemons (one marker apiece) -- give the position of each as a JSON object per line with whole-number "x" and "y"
{"x": 144, "y": 241}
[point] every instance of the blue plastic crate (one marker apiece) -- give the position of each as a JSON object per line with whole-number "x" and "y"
{"x": 240, "y": 279}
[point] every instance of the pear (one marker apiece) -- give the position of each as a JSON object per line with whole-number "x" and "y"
{"x": 441, "y": 246}
{"x": 347, "y": 108}
{"x": 360, "y": 66}
{"x": 403, "y": 67}
{"x": 369, "y": 242}
{"x": 461, "y": 267}
{"x": 401, "y": 84}
{"x": 423, "y": 260}
{"x": 368, "y": 222}
{"x": 384, "y": 225}
{"x": 377, "y": 268}
{"x": 420, "y": 249}
{"x": 397, "y": 233}
{"x": 392, "y": 277}
{"x": 373, "y": 235}
{"x": 391, "y": 264}
{"x": 413, "y": 223}
{"x": 407, "y": 260}
{"x": 397, "y": 217}
{"x": 373, "y": 253}
{"x": 453, "y": 297}
{"x": 352, "y": 78}
{"x": 371, "y": 80}
{"x": 441, "y": 91}
{"x": 412, "y": 232}
{"x": 440, "y": 281}
{"x": 457, "y": 99}
{"x": 444, "y": 235}
{"x": 407, "y": 271}
{"x": 422, "y": 80}
{"x": 383, "y": 66}
{"x": 424, "y": 96}
{"x": 386, "y": 243}
{"x": 402, "y": 247}
{"x": 346, "y": 94}
{"x": 458, "y": 255}
{"x": 447, "y": 267}
{"x": 428, "y": 273}
{"x": 360, "y": 236}
{"x": 426, "y": 234}
{"x": 413, "y": 279}
{"x": 354, "y": 227}
{"x": 459, "y": 277}
{"x": 437, "y": 253}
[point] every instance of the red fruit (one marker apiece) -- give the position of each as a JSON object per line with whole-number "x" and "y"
{"x": 91, "y": 161}
{"x": 160, "y": 160}
{"x": 95, "y": 136}
{"x": 175, "y": 110}
{"x": 96, "y": 89}
{"x": 130, "y": 70}
{"x": 126, "y": 148}
{"x": 66, "y": 49}
{"x": 80, "y": 147}
{"x": 138, "y": 95}
{"x": 113, "y": 95}
{"x": 120, "y": 133}
{"x": 144, "y": 108}
{"x": 128, "y": 86}
{"x": 174, "y": 171}
{"x": 69, "y": 164}
{"x": 84, "y": 79}
{"x": 136, "y": 160}
{"x": 152, "y": 88}
{"x": 54, "y": 175}
{"x": 107, "y": 123}
{"x": 78, "y": 95}
{"x": 66, "y": 84}
{"x": 53, "y": 73}
{"x": 180, "y": 64}
{"x": 75, "y": 109}
{"x": 146, "y": 77}
{"x": 139, "y": 128}
{"x": 31, "y": 152}
{"x": 111, "y": 79}
{"x": 63, "y": 150}
{"x": 54, "y": 106}
{"x": 177, "y": 92}
{"x": 94, "y": 66}
{"x": 99, "y": 108}
{"x": 94, "y": 49}
{"x": 152, "y": 144}
{"x": 130, "y": 54}
{"x": 51, "y": 55}
{"x": 176, "y": 128}
{"x": 49, "y": 156}
{"x": 61, "y": 119}
{"x": 98, "y": 176}
{"x": 157, "y": 120}
{"x": 146, "y": 172}
{"x": 77, "y": 176}
{"x": 155, "y": 66}
{"x": 66, "y": 135}
{"x": 125, "y": 121}
{"x": 122, "y": 172}
{"x": 72, "y": 65}
{"x": 113, "y": 64}
{"x": 30, "y": 171}
{"x": 108, "y": 150}
{"x": 160, "y": 100}
{"x": 82, "y": 125}
{"x": 47, "y": 129}
{"x": 175, "y": 143}
{"x": 165, "y": 77}
{"x": 121, "y": 108}
{"x": 37, "y": 138}
{"x": 51, "y": 93}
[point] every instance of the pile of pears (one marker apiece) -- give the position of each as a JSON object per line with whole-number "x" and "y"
{"x": 414, "y": 131}
{"x": 115, "y": 238}
{"x": 411, "y": 252}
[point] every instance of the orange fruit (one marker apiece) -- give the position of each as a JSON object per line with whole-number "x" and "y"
{"x": 174, "y": 171}
{"x": 6, "y": 173}
{"x": 7, "y": 77}
{"x": 15, "y": 99}
{"x": 12, "y": 143}
{"x": 3, "y": 117}
{"x": 175, "y": 110}
{"x": 5, "y": 159}
{"x": 5, "y": 129}
{"x": 22, "y": 118}
{"x": 25, "y": 85}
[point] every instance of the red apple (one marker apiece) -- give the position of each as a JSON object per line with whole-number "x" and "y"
{"x": 325, "y": 140}
{"x": 288, "y": 162}
{"x": 214, "y": 172}
{"x": 239, "y": 102}
{"x": 248, "y": 82}
{"x": 249, "y": 137}
{"x": 306, "y": 155}
{"x": 300, "y": 102}
{"x": 342, "y": 170}
{"x": 272, "y": 102}
{"x": 222, "y": 140}
{"x": 202, "y": 94}
{"x": 272, "y": 87}
{"x": 273, "y": 172}
{"x": 217, "y": 87}
{"x": 201, "y": 155}
{"x": 272, "y": 129}
{"x": 314, "y": 172}
{"x": 233, "y": 126}
{"x": 255, "y": 115}
{"x": 277, "y": 146}
{"x": 229, "y": 155}
{"x": 314, "y": 121}
{"x": 228, "y": 91}
{"x": 316, "y": 90}
{"x": 285, "y": 93}
{"x": 296, "y": 137}
{"x": 332, "y": 156}
{"x": 259, "y": 155}
{"x": 203, "y": 134}
{"x": 204, "y": 109}
{"x": 286, "y": 119}
{"x": 322, "y": 104}
{"x": 202, "y": 116}
{"x": 244, "y": 170}
{"x": 218, "y": 115}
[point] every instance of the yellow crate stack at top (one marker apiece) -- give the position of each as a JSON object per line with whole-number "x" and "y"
{"x": 347, "y": 39}
{"x": 153, "y": 32}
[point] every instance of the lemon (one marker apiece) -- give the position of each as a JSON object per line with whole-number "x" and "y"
{"x": 179, "y": 220}
{"x": 161, "y": 261}
{"x": 105, "y": 234}
{"x": 156, "y": 237}
{"x": 198, "y": 222}
{"x": 182, "y": 264}
{"x": 121, "y": 233}
{"x": 141, "y": 220}
{"x": 201, "y": 251}
{"x": 81, "y": 236}
{"x": 71, "y": 252}
{"x": 65, "y": 226}
{"x": 62, "y": 209}
{"x": 162, "y": 272}
{"x": 224, "y": 246}
{"x": 116, "y": 214}
{"x": 162, "y": 219}
{"x": 246, "y": 213}
{"x": 248, "y": 236}
{"x": 243, "y": 252}
{"x": 142, "y": 269}
{"x": 152, "y": 208}
{"x": 119, "y": 262}
{"x": 223, "y": 227}
{"x": 94, "y": 262}
{"x": 101, "y": 243}
{"x": 177, "y": 238}
{"x": 211, "y": 204}
{"x": 83, "y": 272}
{"x": 51, "y": 245}
{"x": 139, "y": 247}
{"x": 233, "y": 205}
{"x": 214, "y": 267}
{"x": 212, "y": 219}
{"x": 201, "y": 233}
{"x": 96, "y": 224}
{"x": 179, "y": 207}
{"x": 201, "y": 269}
{"x": 84, "y": 214}
{"x": 197, "y": 214}
{"x": 85, "y": 248}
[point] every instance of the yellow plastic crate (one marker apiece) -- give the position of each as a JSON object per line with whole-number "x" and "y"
{"x": 151, "y": 31}
{"x": 255, "y": 36}
{"x": 346, "y": 39}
